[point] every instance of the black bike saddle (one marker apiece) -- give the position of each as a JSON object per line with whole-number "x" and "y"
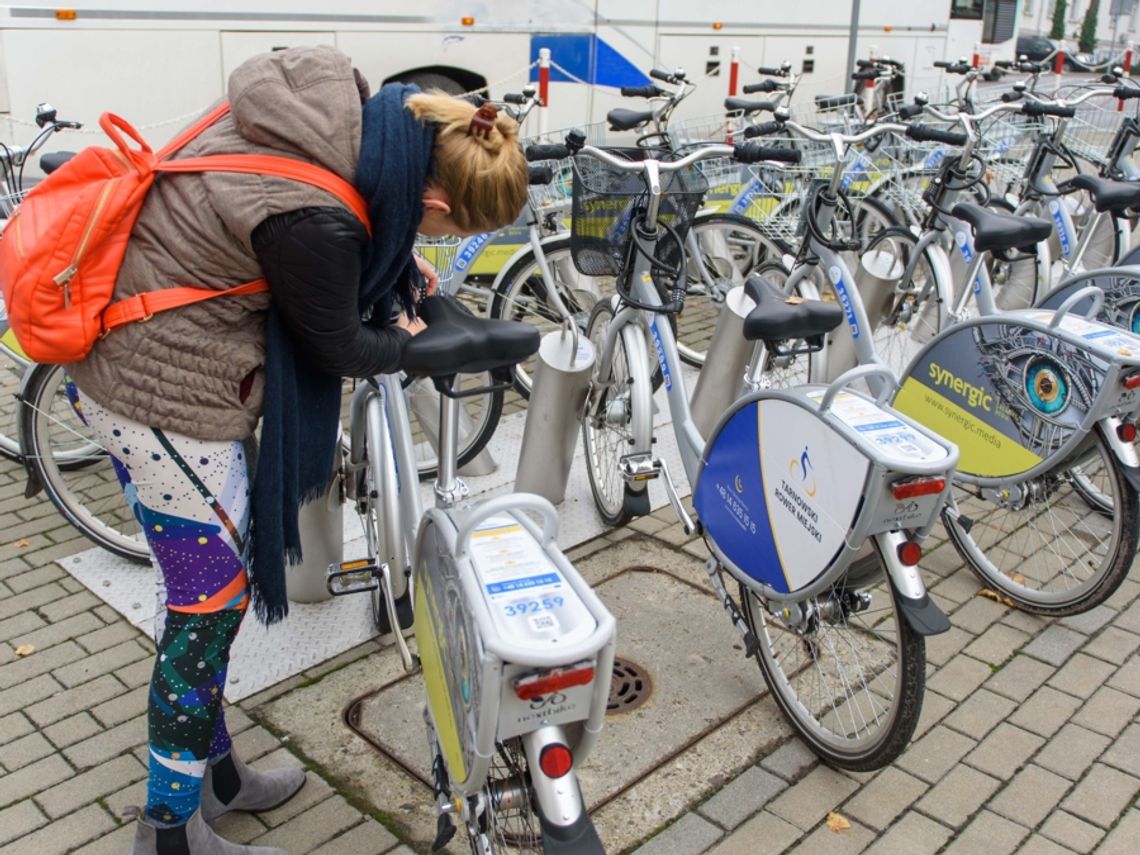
{"x": 457, "y": 342}
{"x": 996, "y": 231}
{"x": 1107, "y": 195}
{"x": 621, "y": 119}
{"x": 777, "y": 319}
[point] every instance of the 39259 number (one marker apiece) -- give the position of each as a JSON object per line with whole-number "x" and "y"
{"x": 532, "y": 607}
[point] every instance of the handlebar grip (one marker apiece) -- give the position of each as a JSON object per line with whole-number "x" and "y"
{"x": 942, "y": 63}
{"x": 772, "y": 72}
{"x": 1004, "y": 63}
{"x": 910, "y": 111}
{"x": 870, "y": 74}
{"x": 514, "y": 98}
{"x": 549, "y": 151}
{"x": 1010, "y": 97}
{"x": 755, "y": 151}
{"x": 1034, "y": 108}
{"x": 649, "y": 91}
{"x": 864, "y": 63}
{"x": 1126, "y": 92}
{"x": 539, "y": 175}
{"x": 661, "y": 74}
{"x": 762, "y": 130}
{"x": 746, "y": 106}
{"x": 762, "y": 86}
{"x": 921, "y": 133}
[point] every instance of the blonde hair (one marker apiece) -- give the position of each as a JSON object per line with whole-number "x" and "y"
{"x": 485, "y": 178}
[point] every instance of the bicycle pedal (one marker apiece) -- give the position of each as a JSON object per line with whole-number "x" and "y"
{"x": 352, "y": 577}
{"x": 635, "y": 468}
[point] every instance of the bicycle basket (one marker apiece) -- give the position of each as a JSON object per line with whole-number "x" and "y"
{"x": 440, "y": 253}
{"x": 607, "y": 201}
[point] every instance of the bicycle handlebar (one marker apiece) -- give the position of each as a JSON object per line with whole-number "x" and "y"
{"x": 548, "y": 151}
{"x": 1126, "y": 92}
{"x": 774, "y": 72}
{"x": 1037, "y": 108}
{"x": 677, "y": 76}
{"x": 746, "y": 106}
{"x": 922, "y": 133}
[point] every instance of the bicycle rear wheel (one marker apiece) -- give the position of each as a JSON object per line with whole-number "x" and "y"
{"x": 1057, "y": 544}
{"x": 618, "y": 417}
{"x": 849, "y": 674}
{"x": 73, "y": 467}
{"x": 508, "y": 822}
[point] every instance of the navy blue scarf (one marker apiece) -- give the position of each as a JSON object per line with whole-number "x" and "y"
{"x": 302, "y": 405}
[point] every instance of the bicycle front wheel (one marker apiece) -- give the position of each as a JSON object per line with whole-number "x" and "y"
{"x": 1057, "y": 544}
{"x": 618, "y": 418}
{"x": 845, "y": 667}
{"x": 723, "y": 250}
{"x": 523, "y": 294}
{"x": 12, "y": 368}
{"x": 908, "y": 316}
{"x": 75, "y": 470}
{"x": 479, "y": 416}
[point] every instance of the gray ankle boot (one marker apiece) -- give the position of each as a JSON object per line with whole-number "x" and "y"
{"x": 256, "y": 791}
{"x": 193, "y": 838}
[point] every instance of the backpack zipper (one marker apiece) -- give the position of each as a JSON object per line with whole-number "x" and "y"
{"x": 64, "y": 277}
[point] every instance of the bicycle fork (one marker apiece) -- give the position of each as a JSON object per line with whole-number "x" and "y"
{"x": 566, "y": 827}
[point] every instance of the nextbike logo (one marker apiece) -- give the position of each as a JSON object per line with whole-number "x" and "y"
{"x": 976, "y": 396}
{"x": 661, "y": 356}
{"x": 858, "y": 169}
{"x": 744, "y": 200}
{"x": 964, "y": 246}
{"x": 1062, "y": 232}
{"x": 836, "y": 277}
{"x": 471, "y": 249}
{"x": 934, "y": 158}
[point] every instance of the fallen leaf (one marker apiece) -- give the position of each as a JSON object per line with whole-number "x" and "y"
{"x": 25, "y": 650}
{"x": 997, "y": 598}
{"x": 22, "y": 542}
{"x": 1017, "y": 577}
{"x": 837, "y": 822}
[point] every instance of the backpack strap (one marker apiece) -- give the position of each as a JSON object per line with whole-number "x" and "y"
{"x": 144, "y": 306}
{"x": 279, "y": 167}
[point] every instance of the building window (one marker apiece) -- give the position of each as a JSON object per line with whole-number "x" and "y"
{"x": 966, "y": 9}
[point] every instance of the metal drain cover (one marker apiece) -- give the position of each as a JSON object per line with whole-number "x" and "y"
{"x": 630, "y": 687}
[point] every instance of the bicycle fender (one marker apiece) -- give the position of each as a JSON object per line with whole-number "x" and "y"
{"x": 921, "y": 612}
{"x": 1125, "y": 452}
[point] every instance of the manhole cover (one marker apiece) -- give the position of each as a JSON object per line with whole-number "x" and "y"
{"x": 630, "y": 687}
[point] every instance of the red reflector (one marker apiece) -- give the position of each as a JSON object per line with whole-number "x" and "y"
{"x": 555, "y": 760}
{"x": 544, "y": 682}
{"x": 1126, "y": 431}
{"x": 1132, "y": 381}
{"x": 909, "y": 553}
{"x": 917, "y": 487}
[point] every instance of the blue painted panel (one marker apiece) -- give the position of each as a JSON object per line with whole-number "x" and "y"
{"x": 587, "y": 58}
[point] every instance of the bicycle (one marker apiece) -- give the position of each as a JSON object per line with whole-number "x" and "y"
{"x": 13, "y": 160}
{"x": 1035, "y": 400}
{"x": 515, "y": 647}
{"x": 837, "y": 632}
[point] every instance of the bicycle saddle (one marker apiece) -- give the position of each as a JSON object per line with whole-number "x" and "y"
{"x": 1107, "y": 195}
{"x": 997, "y": 231}
{"x": 456, "y": 341}
{"x": 831, "y": 102}
{"x": 777, "y": 319}
{"x": 52, "y": 161}
{"x": 621, "y": 119}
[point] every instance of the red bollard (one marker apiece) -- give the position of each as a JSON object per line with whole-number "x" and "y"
{"x": 1059, "y": 62}
{"x": 734, "y": 72}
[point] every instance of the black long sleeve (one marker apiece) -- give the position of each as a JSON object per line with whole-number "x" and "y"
{"x": 311, "y": 259}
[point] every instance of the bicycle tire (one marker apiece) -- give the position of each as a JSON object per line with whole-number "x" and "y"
{"x": 862, "y": 733}
{"x": 738, "y": 249}
{"x": 12, "y": 369}
{"x": 911, "y": 314}
{"x": 378, "y": 504}
{"x": 85, "y": 490}
{"x": 1051, "y": 519}
{"x": 618, "y": 418}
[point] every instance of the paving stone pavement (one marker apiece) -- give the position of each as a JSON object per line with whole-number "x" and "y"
{"x": 1028, "y": 742}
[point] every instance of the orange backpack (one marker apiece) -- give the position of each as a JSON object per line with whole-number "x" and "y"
{"x": 61, "y": 250}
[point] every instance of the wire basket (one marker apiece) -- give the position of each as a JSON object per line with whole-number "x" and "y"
{"x": 1091, "y": 133}
{"x": 440, "y": 253}
{"x": 606, "y": 202}
{"x": 1006, "y": 142}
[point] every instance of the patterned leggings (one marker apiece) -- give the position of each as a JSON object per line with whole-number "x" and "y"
{"x": 191, "y": 498}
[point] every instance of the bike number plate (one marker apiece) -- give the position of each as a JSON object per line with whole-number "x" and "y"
{"x": 779, "y": 492}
